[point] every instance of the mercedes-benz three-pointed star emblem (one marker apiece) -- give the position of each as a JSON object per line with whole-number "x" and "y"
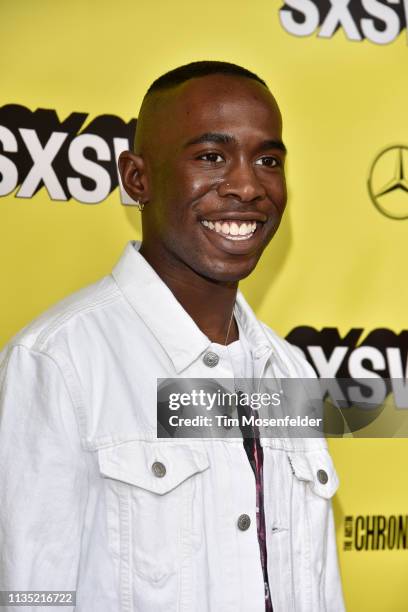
{"x": 388, "y": 182}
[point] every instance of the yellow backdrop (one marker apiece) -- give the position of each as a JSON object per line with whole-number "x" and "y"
{"x": 340, "y": 76}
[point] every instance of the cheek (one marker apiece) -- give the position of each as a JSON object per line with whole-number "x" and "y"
{"x": 278, "y": 192}
{"x": 194, "y": 182}
{"x": 180, "y": 189}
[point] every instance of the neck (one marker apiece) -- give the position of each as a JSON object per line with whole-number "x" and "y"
{"x": 209, "y": 303}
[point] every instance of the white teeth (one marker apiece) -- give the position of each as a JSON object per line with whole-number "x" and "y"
{"x": 231, "y": 229}
{"x": 234, "y": 229}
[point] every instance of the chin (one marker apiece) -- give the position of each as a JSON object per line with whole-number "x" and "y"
{"x": 222, "y": 272}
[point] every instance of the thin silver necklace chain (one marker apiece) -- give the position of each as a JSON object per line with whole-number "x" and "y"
{"x": 229, "y": 326}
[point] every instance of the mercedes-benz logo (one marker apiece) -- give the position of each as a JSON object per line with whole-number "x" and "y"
{"x": 388, "y": 182}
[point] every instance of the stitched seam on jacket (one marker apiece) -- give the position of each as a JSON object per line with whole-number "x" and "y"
{"x": 3, "y": 367}
{"x": 75, "y": 404}
{"x": 66, "y": 316}
{"x": 124, "y": 552}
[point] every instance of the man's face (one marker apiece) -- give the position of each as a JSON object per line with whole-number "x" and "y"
{"x": 216, "y": 177}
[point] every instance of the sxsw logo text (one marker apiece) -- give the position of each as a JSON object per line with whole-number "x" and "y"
{"x": 379, "y": 21}
{"x": 69, "y": 158}
{"x": 380, "y": 353}
{"x": 381, "y": 356}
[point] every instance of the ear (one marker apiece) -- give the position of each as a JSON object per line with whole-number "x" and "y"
{"x": 133, "y": 175}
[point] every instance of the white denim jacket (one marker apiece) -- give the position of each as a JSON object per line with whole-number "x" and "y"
{"x": 81, "y": 508}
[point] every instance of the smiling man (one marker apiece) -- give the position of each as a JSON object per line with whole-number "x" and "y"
{"x": 92, "y": 500}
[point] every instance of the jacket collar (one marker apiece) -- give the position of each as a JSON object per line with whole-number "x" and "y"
{"x": 167, "y": 320}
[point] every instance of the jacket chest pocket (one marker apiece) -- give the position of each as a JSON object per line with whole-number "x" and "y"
{"x": 150, "y": 491}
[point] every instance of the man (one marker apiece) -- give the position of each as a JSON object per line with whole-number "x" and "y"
{"x": 92, "y": 501}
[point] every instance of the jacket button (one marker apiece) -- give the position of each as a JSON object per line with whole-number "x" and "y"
{"x": 322, "y": 476}
{"x": 211, "y": 359}
{"x": 159, "y": 469}
{"x": 244, "y": 522}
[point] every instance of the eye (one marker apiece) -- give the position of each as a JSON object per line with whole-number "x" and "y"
{"x": 213, "y": 158}
{"x": 269, "y": 161}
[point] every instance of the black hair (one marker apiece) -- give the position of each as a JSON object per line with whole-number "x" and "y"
{"x": 199, "y": 69}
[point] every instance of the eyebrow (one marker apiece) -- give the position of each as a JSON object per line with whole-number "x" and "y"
{"x": 220, "y": 138}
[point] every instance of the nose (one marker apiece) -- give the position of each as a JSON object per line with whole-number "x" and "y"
{"x": 242, "y": 183}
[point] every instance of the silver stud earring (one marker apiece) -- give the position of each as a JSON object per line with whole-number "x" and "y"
{"x": 140, "y": 205}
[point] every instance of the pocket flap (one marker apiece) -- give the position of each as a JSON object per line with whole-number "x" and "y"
{"x": 156, "y": 467}
{"x": 317, "y": 468}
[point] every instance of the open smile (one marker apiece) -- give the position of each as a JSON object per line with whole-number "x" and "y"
{"x": 232, "y": 229}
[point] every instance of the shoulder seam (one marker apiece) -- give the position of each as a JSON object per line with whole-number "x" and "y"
{"x": 59, "y": 369}
{"x": 64, "y": 317}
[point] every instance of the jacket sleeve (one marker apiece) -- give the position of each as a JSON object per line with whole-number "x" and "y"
{"x": 43, "y": 476}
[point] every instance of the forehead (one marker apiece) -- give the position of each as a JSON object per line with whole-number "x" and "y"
{"x": 221, "y": 102}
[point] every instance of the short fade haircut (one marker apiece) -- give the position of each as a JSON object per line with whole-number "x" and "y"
{"x": 199, "y": 69}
